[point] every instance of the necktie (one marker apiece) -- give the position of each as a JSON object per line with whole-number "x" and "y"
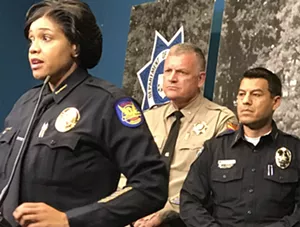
{"x": 168, "y": 151}
{"x": 47, "y": 100}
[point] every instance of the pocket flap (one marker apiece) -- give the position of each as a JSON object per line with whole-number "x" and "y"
{"x": 283, "y": 175}
{"x": 57, "y": 141}
{"x": 226, "y": 175}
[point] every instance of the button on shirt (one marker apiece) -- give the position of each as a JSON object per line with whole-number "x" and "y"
{"x": 249, "y": 189}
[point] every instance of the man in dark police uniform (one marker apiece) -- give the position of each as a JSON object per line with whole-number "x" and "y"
{"x": 249, "y": 177}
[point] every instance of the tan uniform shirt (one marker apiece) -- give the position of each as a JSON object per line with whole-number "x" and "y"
{"x": 202, "y": 120}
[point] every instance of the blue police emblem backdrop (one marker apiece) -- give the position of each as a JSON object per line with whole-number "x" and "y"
{"x": 151, "y": 75}
{"x": 154, "y": 28}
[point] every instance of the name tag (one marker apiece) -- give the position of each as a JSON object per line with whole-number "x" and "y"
{"x": 226, "y": 164}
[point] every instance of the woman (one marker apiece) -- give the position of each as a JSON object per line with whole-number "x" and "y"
{"x": 84, "y": 134}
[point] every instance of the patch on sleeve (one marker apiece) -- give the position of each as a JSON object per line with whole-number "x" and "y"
{"x": 129, "y": 113}
{"x": 232, "y": 126}
{"x": 115, "y": 195}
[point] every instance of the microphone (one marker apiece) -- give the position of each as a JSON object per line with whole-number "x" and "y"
{"x": 4, "y": 192}
{"x": 46, "y": 80}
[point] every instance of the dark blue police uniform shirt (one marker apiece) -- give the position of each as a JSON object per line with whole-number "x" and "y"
{"x": 82, "y": 139}
{"x": 234, "y": 183}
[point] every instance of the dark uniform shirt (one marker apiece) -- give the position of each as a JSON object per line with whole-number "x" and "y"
{"x": 81, "y": 140}
{"x": 234, "y": 183}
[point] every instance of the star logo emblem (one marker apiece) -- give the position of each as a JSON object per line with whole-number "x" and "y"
{"x": 151, "y": 75}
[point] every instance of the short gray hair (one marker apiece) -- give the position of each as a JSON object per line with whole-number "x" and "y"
{"x": 183, "y": 48}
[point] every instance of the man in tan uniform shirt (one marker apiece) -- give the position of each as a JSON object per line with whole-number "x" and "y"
{"x": 184, "y": 75}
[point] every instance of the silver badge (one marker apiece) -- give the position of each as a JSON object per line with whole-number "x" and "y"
{"x": 283, "y": 158}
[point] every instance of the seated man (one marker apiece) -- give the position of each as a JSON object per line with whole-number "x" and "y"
{"x": 250, "y": 176}
{"x": 181, "y": 126}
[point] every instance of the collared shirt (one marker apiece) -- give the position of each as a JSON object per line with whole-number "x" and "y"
{"x": 202, "y": 120}
{"x": 234, "y": 183}
{"x": 79, "y": 144}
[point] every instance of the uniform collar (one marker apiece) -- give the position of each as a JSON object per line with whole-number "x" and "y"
{"x": 239, "y": 134}
{"x": 69, "y": 84}
{"x": 188, "y": 111}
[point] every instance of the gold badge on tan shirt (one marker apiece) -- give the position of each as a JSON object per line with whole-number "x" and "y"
{"x": 67, "y": 119}
{"x": 200, "y": 128}
{"x": 283, "y": 157}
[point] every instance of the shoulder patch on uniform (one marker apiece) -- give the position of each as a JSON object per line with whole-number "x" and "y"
{"x": 129, "y": 113}
{"x": 226, "y": 132}
{"x": 232, "y": 126}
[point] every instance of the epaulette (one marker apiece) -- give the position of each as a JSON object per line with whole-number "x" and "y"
{"x": 105, "y": 86}
{"x": 29, "y": 94}
{"x": 37, "y": 86}
{"x": 98, "y": 82}
{"x": 157, "y": 106}
{"x": 226, "y": 132}
{"x": 214, "y": 106}
{"x": 290, "y": 135}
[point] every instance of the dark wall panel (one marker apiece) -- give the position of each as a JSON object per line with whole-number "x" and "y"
{"x": 256, "y": 33}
